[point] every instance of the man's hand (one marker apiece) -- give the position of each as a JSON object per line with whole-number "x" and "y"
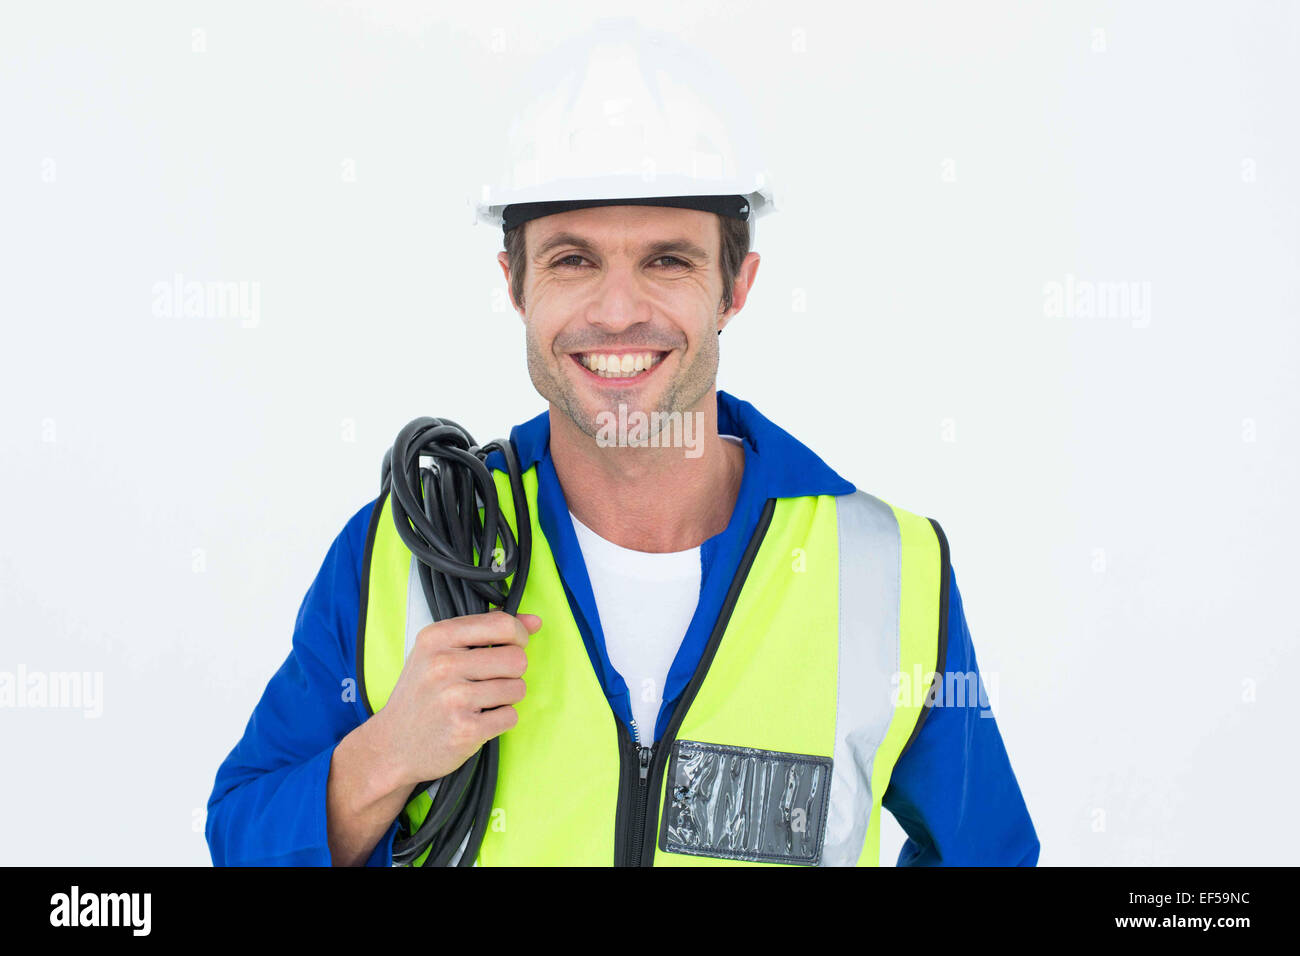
{"x": 456, "y": 691}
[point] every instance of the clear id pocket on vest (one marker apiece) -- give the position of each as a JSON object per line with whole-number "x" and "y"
{"x": 738, "y": 803}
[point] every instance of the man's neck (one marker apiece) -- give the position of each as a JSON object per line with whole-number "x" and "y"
{"x": 650, "y": 499}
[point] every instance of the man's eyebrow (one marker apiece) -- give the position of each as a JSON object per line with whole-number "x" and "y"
{"x": 682, "y": 247}
{"x": 562, "y": 239}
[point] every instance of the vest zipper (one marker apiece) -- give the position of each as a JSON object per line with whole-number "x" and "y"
{"x": 644, "y": 756}
{"x": 637, "y": 817}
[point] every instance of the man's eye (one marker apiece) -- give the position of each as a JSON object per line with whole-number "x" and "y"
{"x": 573, "y": 260}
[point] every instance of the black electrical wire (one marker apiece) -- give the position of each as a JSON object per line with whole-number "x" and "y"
{"x": 437, "y": 478}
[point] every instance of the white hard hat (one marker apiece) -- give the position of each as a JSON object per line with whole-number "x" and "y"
{"x": 622, "y": 113}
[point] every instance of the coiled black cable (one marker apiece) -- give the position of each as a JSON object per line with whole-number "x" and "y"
{"x": 437, "y": 478}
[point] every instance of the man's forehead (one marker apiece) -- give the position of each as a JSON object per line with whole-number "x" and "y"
{"x": 630, "y": 227}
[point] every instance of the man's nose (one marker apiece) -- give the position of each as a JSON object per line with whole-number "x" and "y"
{"x": 618, "y": 303}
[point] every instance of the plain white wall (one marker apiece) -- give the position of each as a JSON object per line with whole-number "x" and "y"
{"x": 1118, "y": 489}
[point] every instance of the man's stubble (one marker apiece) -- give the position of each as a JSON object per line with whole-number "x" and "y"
{"x": 691, "y": 383}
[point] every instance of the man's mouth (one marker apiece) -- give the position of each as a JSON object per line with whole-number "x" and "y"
{"x": 618, "y": 365}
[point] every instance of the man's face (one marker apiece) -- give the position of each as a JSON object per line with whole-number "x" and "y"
{"x": 635, "y": 288}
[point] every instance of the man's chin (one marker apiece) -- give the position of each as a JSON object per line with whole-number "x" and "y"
{"x": 615, "y": 417}
{"x": 620, "y": 401}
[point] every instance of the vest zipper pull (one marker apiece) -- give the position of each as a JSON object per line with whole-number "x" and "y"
{"x": 645, "y": 754}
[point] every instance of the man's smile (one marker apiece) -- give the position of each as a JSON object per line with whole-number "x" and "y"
{"x": 619, "y": 365}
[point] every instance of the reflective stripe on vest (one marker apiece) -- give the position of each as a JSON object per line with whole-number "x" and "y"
{"x": 821, "y": 668}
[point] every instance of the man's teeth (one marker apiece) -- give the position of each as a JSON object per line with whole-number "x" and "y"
{"x": 620, "y": 366}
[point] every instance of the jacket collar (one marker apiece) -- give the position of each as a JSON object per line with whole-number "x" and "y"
{"x": 786, "y": 468}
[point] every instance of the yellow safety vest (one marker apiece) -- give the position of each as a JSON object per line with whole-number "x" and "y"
{"x": 815, "y": 679}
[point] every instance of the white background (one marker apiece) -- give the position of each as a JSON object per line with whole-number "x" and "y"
{"x": 1119, "y": 495}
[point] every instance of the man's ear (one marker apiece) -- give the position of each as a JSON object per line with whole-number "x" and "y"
{"x": 744, "y": 282}
{"x": 504, "y": 261}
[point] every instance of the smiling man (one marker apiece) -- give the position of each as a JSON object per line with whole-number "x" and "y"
{"x": 733, "y": 656}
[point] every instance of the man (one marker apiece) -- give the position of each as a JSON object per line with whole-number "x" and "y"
{"x": 722, "y": 637}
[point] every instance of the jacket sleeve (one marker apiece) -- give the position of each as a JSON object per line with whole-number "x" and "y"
{"x": 268, "y": 803}
{"x": 953, "y": 791}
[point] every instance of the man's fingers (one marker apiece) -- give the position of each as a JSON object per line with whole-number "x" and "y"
{"x": 486, "y": 663}
{"x": 481, "y": 630}
{"x": 486, "y": 694}
{"x": 493, "y": 723}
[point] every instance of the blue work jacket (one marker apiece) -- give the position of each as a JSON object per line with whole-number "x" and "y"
{"x": 953, "y": 790}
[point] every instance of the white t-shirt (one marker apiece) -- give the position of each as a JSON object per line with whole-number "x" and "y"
{"x": 645, "y": 602}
